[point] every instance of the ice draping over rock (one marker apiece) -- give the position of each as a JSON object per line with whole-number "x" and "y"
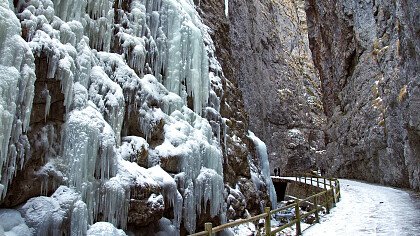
{"x": 169, "y": 190}
{"x": 12, "y": 223}
{"x": 17, "y": 78}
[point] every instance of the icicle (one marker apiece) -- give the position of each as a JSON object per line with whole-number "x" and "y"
{"x": 114, "y": 203}
{"x": 47, "y": 96}
{"x": 225, "y": 129}
{"x": 227, "y": 8}
{"x": 79, "y": 216}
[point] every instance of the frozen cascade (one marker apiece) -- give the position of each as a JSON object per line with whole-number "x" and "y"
{"x": 265, "y": 167}
{"x": 108, "y": 97}
{"x": 73, "y": 206}
{"x": 190, "y": 137}
{"x": 186, "y": 134}
{"x": 97, "y": 18}
{"x": 172, "y": 31}
{"x": 89, "y": 153}
{"x": 17, "y": 79}
{"x": 208, "y": 185}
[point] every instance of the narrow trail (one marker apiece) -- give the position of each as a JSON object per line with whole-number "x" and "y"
{"x": 367, "y": 209}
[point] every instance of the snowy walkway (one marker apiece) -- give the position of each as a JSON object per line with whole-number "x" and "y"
{"x": 367, "y": 209}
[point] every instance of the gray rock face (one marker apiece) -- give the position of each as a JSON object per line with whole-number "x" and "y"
{"x": 264, "y": 49}
{"x": 367, "y": 53}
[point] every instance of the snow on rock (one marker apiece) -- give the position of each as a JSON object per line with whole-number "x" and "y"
{"x": 133, "y": 149}
{"x": 12, "y": 223}
{"x": 104, "y": 229}
{"x": 169, "y": 191}
{"x": 62, "y": 213}
{"x": 132, "y": 189}
{"x": 43, "y": 215}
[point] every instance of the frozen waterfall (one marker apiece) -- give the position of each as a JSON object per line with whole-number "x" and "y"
{"x": 265, "y": 167}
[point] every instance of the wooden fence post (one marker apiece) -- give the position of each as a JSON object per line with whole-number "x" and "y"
{"x": 317, "y": 182}
{"x": 268, "y": 222}
{"x": 327, "y": 201}
{"x": 209, "y": 228}
{"x": 338, "y": 189}
{"x": 297, "y": 213}
{"x": 333, "y": 191}
{"x": 316, "y": 209}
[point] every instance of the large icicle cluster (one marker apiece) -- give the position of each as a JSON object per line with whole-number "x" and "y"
{"x": 129, "y": 71}
{"x": 17, "y": 78}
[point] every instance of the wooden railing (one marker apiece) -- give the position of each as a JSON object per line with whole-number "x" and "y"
{"x": 325, "y": 199}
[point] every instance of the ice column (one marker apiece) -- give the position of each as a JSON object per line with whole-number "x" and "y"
{"x": 265, "y": 167}
{"x": 89, "y": 154}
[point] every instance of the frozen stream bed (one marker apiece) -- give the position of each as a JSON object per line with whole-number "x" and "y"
{"x": 367, "y": 209}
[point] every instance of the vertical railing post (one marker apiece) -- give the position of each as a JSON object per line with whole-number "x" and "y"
{"x": 325, "y": 184}
{"x": 209, "y": 228}
{"x": 297, "y": 212}
{"x": 268, "y": 222}
{"x": 338, "y": 190}
{"x": 316, "y": 209}
{"x": 332, "y": 192}
{"x": 327, "y": 201}
{"x": 317, "y": 182}
{"x": 311, "y": 181}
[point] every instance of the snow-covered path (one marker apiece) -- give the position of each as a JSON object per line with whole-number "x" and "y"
{"x": 367, "y": 209}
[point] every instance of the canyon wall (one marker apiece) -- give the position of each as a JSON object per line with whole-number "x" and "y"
{"x": 264, "y": 50}
{"x": 367, "y": 54}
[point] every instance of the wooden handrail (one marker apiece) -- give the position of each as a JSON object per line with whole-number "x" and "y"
{"x": 331, "y": 196}
{"x": 238, "y": 222}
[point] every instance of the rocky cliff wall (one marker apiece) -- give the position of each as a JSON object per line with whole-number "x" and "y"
{"x": 329, "y": 84}
{"x": 264, "y": 50}
{"x": 367, "y": 53}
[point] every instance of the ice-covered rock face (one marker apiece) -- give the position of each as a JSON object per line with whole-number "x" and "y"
{"x": 17, "y": 76}
{"x": 134, "y": 78}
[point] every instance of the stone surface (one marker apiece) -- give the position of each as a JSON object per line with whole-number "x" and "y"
{"x": 367, "y": 54}
{"x": 264, "y": 50}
